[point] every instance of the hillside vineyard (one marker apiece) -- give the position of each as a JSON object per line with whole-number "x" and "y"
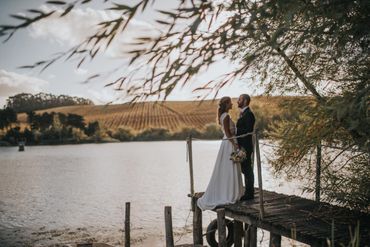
{"x": 171, "y": 115}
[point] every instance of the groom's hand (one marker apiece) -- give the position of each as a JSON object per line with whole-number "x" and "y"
{"x": 236, "y": 146}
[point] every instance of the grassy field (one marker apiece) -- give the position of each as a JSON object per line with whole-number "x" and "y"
{"x": 171, "y": 115}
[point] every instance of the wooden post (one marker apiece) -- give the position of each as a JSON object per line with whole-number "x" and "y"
{"x": 246, "y": 235}
{"x": 238, "y": 231}
{"x": 190, "y": 150}
{"x": 197, "y": 223}
{"x": 259, "y": 170}
{"x": 275, "y": 240}
{"x": 318, "y": 173}
{"x": 253, "y": 236}
{"x": 168, "y": 226}
{"x": 127, "y": 225}
{"x": 221, "y": 227}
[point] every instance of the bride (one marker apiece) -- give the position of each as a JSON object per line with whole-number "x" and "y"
{"x": 225, "y": 186}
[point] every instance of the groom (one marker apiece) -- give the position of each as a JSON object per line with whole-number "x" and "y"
{"x": 245, "y": 125}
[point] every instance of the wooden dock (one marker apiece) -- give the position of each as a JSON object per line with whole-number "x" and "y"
{"x": 311, "y": 222}
{"x": 304, "y": 220}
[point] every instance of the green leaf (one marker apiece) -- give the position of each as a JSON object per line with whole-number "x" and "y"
{"x": 67, "y": 10}
{"x": 56, "y": 2}
{"x": 120, "y": 7}
{"x": 167, "y": 13}
{"x": 80, "y": 63}
{"x": 145, "y": 4}
{"x": 20, "y": 17}
{"x": 26, "y": 67}
{"x": 116, "y": 81}
{"x": 93, "y": 76}
{"x": 93, "y": 53}
{"x": 36, "y": 11}
{"x": 163, "y": 22}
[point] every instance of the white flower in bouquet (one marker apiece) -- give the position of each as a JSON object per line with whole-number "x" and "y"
{"x": 238, "y": 156}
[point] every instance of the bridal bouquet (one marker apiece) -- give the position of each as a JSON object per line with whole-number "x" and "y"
{"x": 238, "y": 156}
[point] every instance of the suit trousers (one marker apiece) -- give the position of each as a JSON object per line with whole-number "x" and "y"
{"x": 247, "y": 170}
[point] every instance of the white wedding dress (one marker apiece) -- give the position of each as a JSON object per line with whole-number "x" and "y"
{"x": 225, "y": 186}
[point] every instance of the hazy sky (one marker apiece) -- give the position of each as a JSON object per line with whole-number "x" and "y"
{"x": 43, "y": 39}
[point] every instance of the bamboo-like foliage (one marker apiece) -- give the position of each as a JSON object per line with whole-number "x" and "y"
{"x": 316, "y": 48}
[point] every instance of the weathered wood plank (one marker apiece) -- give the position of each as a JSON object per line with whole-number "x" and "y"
{"x": 253, "y": 236}
{"x": 197, "y": 224}
{"x": 127, "y": 224}
{"x": 221, "y": 227}
{"x": 310, "y": 220}
{"x": 275, "y": 240}
{"x": 286, "y": 232}
{"x": 190, "y": 245}
{"x": 246, "y": 236}
{"x": 259, "y": 174}
{"x": 168, "y": 226}
{"x": 238, "y": 233}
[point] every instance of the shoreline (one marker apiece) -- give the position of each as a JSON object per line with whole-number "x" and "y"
{"x": 99, "y": 142}
{"x": 68, "y": 237}
{"x": 115, "y": 237}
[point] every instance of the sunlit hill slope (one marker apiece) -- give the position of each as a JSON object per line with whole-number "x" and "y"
{"x": 171, "y": 115}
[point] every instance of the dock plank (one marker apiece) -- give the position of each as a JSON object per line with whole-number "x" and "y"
{"x": 311, "y": 220}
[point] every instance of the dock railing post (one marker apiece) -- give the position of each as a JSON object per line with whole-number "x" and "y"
{"x": 318, "y": 173}
{"x": 197, "y": 223}
{"x": 275, "y": 240}
{"x": 250, "y": 236}
{"x": 253, "y": 236}
{"x": 221, "y": 227}
{"x": 246, "y": 235}
{"x": 238, "y": 233}
{"x": 168, "y": 226}
{"x": 197, "y": 212}
{"x": 190, "y": 153}
{"x": 127, "y": 225}
{"x": 259, "y": 171}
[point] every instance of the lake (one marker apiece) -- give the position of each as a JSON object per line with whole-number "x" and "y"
{"x": 63, "y": 194}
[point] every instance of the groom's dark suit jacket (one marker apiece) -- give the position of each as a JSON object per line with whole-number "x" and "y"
{"x": 245, "y": 124}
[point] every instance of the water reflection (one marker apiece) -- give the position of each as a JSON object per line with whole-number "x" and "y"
{"x": 86, "y": 186}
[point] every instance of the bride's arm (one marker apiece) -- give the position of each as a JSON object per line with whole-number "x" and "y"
{"x": 226, "y": 123}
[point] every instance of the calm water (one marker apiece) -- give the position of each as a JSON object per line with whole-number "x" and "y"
{"x": 64, "y": 193}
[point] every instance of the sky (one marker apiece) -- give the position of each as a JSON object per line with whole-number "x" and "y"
{"x": 43, "y": 39}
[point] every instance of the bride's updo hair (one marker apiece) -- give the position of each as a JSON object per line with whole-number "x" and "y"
{"x": 222, "y": 106}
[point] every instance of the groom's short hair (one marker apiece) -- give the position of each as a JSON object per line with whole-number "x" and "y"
{"x": 246, "y": 97}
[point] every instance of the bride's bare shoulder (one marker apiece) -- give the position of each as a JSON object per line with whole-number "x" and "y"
{"x": 225, "y": 117}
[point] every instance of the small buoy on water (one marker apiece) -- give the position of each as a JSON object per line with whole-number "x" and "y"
{"x": 20, "y": 146}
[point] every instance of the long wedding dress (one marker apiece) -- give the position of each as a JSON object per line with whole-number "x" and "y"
{"x": 225, "y": 186}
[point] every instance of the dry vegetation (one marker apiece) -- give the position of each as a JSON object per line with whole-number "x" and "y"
{"x": 171, "y": 115}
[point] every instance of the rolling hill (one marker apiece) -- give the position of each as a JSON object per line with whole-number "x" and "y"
{"x": 171, "y": 115}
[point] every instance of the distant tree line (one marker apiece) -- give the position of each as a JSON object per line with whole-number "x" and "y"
{"x": 124, "y": 134}
{"x": 7, "y": 117}
{"x": 47, "y": 128}
{"x": 59, "y": 128}
{"x": 25, "y": 102}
